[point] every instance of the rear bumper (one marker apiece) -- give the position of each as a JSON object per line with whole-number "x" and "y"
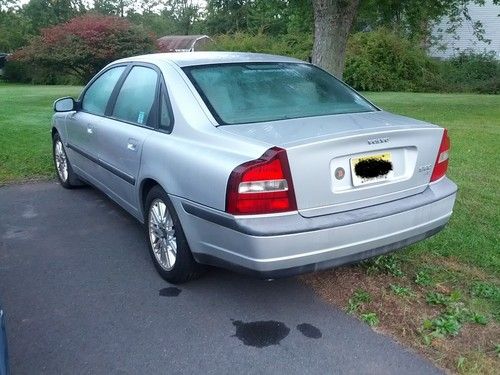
{"x": 274, "y": 246}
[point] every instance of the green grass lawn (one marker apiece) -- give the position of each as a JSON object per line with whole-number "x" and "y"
{"x": 440, "y": 296}
{"x": 461, "y": 264}
{"x": 25, "y": 123}
{"x": 473, "y": 122}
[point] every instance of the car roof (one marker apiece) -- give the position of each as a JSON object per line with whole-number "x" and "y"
{"x": 207, "y": 57}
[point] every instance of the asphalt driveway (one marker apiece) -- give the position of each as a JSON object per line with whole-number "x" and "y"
{"x": 81, "y": 296}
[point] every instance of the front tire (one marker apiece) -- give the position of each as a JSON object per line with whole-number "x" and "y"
{"x": 167, "y": 242}
{"x": 67, "y": 178}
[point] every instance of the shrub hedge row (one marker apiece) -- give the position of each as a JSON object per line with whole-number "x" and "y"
{"x": 375, "y": 61}
{"x": 382, "y": 61}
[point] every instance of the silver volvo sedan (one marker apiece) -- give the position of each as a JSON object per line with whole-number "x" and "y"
{"x": 259, "y": 163}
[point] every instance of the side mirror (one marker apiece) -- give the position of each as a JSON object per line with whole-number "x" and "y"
{"x": 65, "y": 105}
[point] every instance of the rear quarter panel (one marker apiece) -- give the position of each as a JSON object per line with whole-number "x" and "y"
{"x": 195, "y": 160}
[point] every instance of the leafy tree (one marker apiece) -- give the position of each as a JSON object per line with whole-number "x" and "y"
{"x": 6, "y": 5}
{"x": 182, "y": 13}
{"x": 300, "y": 16}
{"x": 412, "y": 19}
{"x": 113, "y": 7}
{"x": 273, "y": 17}
{"x": 331, "y": 21}
{"x": 334, "y": 19}
{"x": 85, "y": 44}
{"x": 227, "y": 16}
{"x": 167, "y": 17}
{"x": 44, "y": 13}
{"x": 13, "y": 26}
{"x": 268, "y": 16}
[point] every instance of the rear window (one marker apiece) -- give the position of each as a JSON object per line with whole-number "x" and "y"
{"x": 243, "y": 93}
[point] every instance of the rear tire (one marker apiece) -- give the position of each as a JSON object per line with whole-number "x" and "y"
{"x": 67, "y": 178}
{"x": 167, "y": 242}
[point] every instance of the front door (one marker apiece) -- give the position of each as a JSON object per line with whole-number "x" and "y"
{"x": 82, "y": 126}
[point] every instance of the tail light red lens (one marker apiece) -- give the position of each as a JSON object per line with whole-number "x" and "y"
{"x": 442, "y": 159}
{"x": 261, "y": 186}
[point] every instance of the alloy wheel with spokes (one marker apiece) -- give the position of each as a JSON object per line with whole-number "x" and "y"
{"x": 61, "y": 161}
{"x": 168, "y": 245}
{"x": 62, "y": 164}
{"x": 162, "y": 234}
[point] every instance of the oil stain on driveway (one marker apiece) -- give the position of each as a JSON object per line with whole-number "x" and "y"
{"x": 82, "y": 296}
{"x": 261, "y": 334}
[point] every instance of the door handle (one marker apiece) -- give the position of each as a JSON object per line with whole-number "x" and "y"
{"x": 132, "y": 144}
{"x": 90, "y": 129}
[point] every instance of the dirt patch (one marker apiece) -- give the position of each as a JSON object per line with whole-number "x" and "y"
{"x": 402, "y": 317}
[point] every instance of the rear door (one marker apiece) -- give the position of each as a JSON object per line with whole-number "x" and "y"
{"x": 81, "y": 125}
{"x": 133, "y": 117}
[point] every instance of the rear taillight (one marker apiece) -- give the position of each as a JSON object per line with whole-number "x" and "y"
{"x": 442, "y": 159}
{"x": 261, "y": 186}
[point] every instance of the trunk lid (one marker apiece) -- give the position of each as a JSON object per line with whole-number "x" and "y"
{"x": 320, "y": 148}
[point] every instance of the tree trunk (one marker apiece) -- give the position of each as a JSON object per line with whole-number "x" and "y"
{"x": 333, "y": 21}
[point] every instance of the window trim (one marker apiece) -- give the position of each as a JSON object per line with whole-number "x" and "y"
{"x": 164, "y": 93}
{"x": 116, "y": 90}
{"x": 220, "y": 122}
{"x": 155, "y": 109}
{"x": 114, "y": 97}
{"x": 95, "y": 78}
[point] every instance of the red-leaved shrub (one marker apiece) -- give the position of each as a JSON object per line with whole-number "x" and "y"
{"x": 84, "y": 45}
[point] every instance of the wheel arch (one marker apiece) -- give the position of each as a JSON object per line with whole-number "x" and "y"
{"x": 144, "y": 188}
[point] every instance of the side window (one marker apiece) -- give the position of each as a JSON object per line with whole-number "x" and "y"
{"x": 137, "y": 95}
{"x": 165, "y": 114}
{"x": 97, "y": 95}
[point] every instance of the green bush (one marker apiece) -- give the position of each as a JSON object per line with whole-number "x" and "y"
{"x": 294, "y": 45}
{"x": 382, "y": 61}
{"x": 471, "y": 72}
{"x": 15, "y": 71}
{"x": 22, "y": 72}
{"x": 376, "y": 61}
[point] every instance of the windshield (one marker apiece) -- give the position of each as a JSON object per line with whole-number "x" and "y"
{"x": 256, "y": 92}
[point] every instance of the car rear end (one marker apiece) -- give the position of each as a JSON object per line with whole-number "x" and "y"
{"x": 332, "y": 188}
{"x": 271, "y": 233}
